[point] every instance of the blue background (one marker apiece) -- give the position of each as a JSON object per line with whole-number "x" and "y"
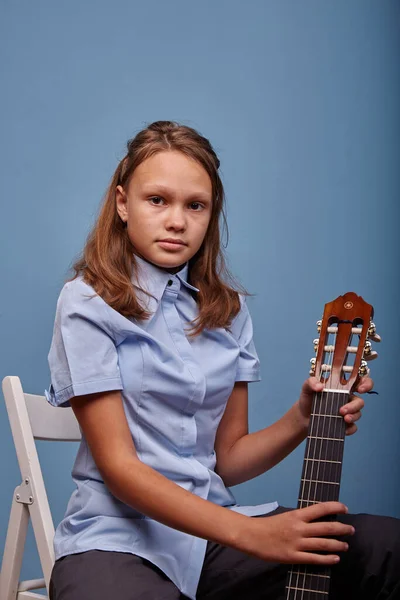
{"x": 301, "y": 102}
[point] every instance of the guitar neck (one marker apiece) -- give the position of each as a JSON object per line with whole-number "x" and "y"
{"x": 320, "y": 482}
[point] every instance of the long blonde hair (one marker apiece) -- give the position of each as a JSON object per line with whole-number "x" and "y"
{"x": 107, "y": 260}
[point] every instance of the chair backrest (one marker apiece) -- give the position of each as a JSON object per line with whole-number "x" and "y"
{"x": 51, "y": 423}
{"x": 31, "y": 417}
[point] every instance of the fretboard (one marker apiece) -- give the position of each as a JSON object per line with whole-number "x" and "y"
{"x": 320, "y": 482}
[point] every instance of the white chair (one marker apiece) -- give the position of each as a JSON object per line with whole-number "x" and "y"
{"x": 31, "y": 417}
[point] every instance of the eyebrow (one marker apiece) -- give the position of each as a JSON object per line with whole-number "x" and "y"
{"x": 162, "y": 189}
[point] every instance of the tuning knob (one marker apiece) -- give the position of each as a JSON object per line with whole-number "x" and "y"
{"x": 363, "y": 370}
{"x": 312, "y": 369}
{"x": 319, "y": 325}
{"x": 369, "y": 354}
{"x": 316, "y": 342}
{"x": 372, "y": 333}
{"x": 367, "y": 348}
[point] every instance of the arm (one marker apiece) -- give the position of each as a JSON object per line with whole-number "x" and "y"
{"x": 242, "y": 455}
{"x": 288, "y": 537}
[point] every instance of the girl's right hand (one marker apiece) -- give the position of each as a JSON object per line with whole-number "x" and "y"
{"x": 292, "y": 537}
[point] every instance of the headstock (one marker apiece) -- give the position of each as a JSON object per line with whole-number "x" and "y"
{"x": 343, "y": 347}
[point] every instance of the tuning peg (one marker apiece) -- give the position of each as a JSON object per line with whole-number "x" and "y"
{"x": 363, "y": 370}
{"x": 372, "y": 335}
{"x": 369, "y": 354}
{"x": 312, "y": 370}
{"x": 316, "y": 342}
{"x": 319, "y": 325}
{"x": 367, "y": 349}
{"x": 375, "y": 337}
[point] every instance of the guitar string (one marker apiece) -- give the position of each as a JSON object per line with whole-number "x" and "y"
{"x": 339, "y": 428}
{"x": 338, "y": 425}
{"x": 341, "y": 424}
{"x": 325, "y": 433}
{"x": 322, "y": 423}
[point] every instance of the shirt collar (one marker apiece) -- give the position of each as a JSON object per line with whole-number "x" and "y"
{"x": 154, "y": 280}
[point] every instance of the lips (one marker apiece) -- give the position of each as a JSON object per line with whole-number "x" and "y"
{"x": 174, "y": 241}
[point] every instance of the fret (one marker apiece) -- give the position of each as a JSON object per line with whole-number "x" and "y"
{"x": 297, "y": 595}
{"x": 311, "y": 574}
{"x": 312, "y": 582}
{"x": 318, "y": 437}
{"x": 323, "y": 460}
{"x": 318, "y": 481}
{"x": 327, "y": 416}
{"x": 321, "y": 470}
{"x": 319, "y": 491}
{"x": 299, "y": 589}
{"x": 322, "y": 449}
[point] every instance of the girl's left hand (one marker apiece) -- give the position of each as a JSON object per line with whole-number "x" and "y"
{"x": 350, "y": 411}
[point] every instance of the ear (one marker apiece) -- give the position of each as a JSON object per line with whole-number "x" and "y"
{"x": 121, "y": 202}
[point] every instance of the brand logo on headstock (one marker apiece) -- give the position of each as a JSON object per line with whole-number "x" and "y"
{"x": 348, "y": 305}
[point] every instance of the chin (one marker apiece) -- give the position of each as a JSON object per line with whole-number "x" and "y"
{"x": 172, "y": 262}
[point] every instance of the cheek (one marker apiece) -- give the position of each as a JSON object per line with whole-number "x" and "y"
{"x": 200, "y": 231}
{"x": 140, "y": 218}
{"x": 140, "y": 227}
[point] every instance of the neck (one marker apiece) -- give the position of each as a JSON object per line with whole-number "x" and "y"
{"x": 320, "y": 482}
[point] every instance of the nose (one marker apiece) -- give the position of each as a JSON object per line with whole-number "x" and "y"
{"x": 176, "y": 220}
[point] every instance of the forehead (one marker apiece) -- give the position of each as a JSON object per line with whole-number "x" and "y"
{"x": 172, "y": 169}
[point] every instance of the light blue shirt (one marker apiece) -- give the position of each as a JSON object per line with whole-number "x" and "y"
{"x": 174, "y": 392}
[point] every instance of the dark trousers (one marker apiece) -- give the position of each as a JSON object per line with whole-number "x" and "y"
{"x": 369, "y": 570}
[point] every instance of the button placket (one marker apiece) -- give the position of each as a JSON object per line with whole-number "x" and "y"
{"x": 185, "y": 351}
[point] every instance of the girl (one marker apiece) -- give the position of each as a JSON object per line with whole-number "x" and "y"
{"x": 153, "y": 349}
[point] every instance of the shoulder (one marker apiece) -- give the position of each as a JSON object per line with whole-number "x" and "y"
{"x": 76, "y": 289}
{"x": 78, "y": 295}
{"x": 78, "y": 300}
{"x": 242, "y": 320}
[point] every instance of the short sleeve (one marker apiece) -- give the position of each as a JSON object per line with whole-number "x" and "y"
{"x": 83, "y": 357}
{"x": 248, "y": 368}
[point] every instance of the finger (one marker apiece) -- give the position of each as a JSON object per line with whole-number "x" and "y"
{"x": 350, "y": 429}
{"x": 324, "y": 545}
{"x": 352, "y": 418}
{"x": 312, "y": 384}
{"x": 365, "y": 385}
{"x": 316, "y": 511}
{"x": 354, "y": 405}
{"x": 308, "y": 558}
{"x": 328, "y": 528}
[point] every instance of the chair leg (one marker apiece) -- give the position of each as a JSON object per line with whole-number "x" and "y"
{"x": 14, "y": 550}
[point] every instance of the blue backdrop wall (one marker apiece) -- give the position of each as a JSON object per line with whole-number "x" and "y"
{"x": 301, "y": 101}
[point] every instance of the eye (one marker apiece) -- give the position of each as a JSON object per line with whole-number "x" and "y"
{"x": 156, "y": 201}
{"x": 196, "y": 206}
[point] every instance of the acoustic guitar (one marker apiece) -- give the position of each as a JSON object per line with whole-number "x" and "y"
{"x": 342, "y": 351}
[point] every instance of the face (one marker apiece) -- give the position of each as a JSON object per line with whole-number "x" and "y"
{"x": 167, "y": 208}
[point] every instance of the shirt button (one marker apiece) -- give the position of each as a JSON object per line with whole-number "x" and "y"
{"x": 170, "y": 282}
